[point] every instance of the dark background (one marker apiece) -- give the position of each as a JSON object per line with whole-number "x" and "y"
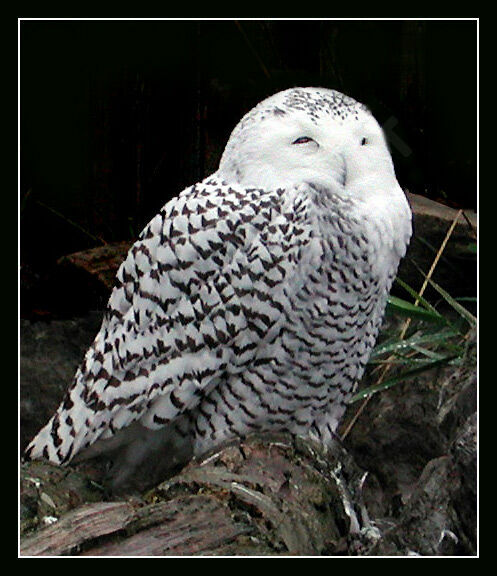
{"x": 117, "y": 117}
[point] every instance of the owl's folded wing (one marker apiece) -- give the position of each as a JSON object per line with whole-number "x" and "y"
{"x": 199, "y": 293}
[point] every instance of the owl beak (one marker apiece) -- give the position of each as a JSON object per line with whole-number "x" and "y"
{"x": 342, "y": 171}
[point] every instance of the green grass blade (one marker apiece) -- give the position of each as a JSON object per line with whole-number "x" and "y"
{"x": 417, "y": 297}
{"x": 405, "y": 308}
{"x": 392, "y": 346}
{"x": 459, "y": 308}
{"x": 428, "y": 353}
{"x": 409, "y": 374}
{"x": 400, "y": 361}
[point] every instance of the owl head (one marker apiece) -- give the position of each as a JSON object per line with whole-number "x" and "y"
{"x": 312, "y": 135}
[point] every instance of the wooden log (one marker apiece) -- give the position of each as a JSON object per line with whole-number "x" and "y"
{"x": 271, "y": 496}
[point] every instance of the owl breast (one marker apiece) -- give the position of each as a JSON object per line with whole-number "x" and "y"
{"x": 305, "y": 374}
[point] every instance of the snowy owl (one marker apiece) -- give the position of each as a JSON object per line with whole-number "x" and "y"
{"x": 251, "y": 301}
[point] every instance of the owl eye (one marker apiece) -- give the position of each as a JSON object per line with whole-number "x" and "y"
{"x": 303, "y": 140}
{"x": 364, "y": 141}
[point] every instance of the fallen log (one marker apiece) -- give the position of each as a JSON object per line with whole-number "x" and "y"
{"x": 275, "y": 496}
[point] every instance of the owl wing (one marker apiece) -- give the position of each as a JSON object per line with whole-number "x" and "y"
{"x": 199, "y": 293}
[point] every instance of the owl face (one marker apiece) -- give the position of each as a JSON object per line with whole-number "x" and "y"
{"x": 322, "y": 137}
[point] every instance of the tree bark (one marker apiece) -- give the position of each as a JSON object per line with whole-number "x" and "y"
{"x": 274, "y": 496}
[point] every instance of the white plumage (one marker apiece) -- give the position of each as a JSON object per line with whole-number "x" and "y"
{"x": 251, "y": 302}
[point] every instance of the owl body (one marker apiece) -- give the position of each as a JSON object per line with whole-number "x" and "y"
{"x": 252, "y": 301}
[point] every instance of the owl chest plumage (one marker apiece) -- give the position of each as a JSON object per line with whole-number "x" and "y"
{"x": 343, "y": 294}
{"x": 333, "y": 319}
{"x": 329, "y": 313}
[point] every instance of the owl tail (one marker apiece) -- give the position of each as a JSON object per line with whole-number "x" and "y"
{"x": 44, "y": 446}
{"x": 65, "y": 433}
